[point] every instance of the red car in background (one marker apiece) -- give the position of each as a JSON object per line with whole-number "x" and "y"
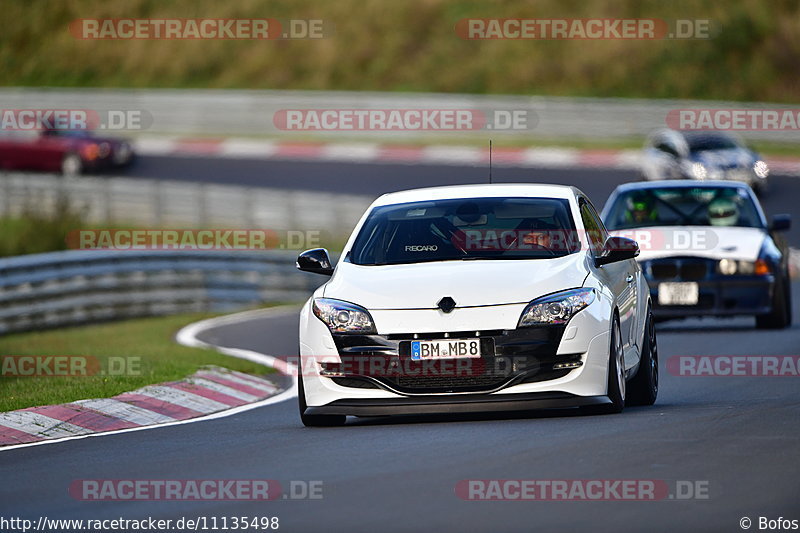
{"x": 71, "y": 152}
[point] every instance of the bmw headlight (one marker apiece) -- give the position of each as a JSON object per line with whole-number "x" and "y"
{"x": 727, "y": 267}
{"x": 557, "y": 308}
{"x": 343, "y": 317}
{"x": 730, "y": 267}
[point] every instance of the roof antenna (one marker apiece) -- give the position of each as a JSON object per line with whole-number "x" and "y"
{"x": 490, "y": 161}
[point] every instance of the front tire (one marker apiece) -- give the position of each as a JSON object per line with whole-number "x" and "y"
{"x": 616, "y": 375}
{"x": 315, "y": 420}
{"x": 643, "y": 389}
{"x": 781, "y": 315}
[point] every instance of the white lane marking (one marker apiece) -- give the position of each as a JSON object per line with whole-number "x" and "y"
{"x": 182, "y": 398}
{"x": 40, "y": 425}
{"x": 437, "y": 154}
{"x": 244, "y": 148}
{"x": 155, "y": 145}
{"x": 452, "y": 154}
{"x": 629, "y": 159}
{"x": 264, "y": 386}
{"x": 124, "y": 411}
{"x": 222, "y": 389}
{"x": 550, "y": 157}
{"x": 188, "y": 337}
{"x": 350, "y": 152}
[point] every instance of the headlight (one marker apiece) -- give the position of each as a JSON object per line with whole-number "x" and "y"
{"x": 746, "y": 268}
{"x": 343, "y": 317}
{"x": 699, "y": 171}
{"x": 104, "y": 149}
{"x": 761, "y": 169}
{"x": 556, "y": 308}
{"x": 727, "y": 267}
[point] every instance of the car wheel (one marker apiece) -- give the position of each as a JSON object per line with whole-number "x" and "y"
{"x": 643, "y": 388}
{"x": 71, "y": 165}
{"x": 781, "y": 315}
{"x": 315, "y": 420}
{"x": 616, "y": 375}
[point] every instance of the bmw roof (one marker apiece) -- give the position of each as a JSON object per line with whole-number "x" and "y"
{"x": 679, "y": 184}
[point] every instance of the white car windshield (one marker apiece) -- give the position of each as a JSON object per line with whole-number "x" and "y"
{"x": 466, "y": 229}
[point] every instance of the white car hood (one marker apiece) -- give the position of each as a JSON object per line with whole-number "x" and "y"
{"x": 469, "y": 283}
{"x": 717, "y": 242}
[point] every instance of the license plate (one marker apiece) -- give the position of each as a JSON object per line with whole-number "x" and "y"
{"x": 445, "y": 349}
{"x": 678, "y": 293}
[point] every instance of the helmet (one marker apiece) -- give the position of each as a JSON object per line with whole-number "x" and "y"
{"x": 641, "y": 208}
{"x": 723, "y": 212}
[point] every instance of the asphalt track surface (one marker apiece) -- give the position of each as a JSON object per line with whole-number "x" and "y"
{"x": 738, "y": 435}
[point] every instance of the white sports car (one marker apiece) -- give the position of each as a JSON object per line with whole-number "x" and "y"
{"x": 476, "y": 298}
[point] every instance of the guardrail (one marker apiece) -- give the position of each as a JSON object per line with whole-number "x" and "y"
{"x": 164, "y": 203}
{"x": 240, "y": 112}
{"x": 74, "y": 287}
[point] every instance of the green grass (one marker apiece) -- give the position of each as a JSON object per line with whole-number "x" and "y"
{"x": 150, "y": 339}
{"x": 412, "y": 46}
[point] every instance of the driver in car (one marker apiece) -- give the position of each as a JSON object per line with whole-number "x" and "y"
{"x": 641, "y": 209}
{"x": 723, "y": 212}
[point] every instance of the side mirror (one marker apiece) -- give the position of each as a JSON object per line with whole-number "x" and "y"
{"x": 617, "y": 249}
{"x": 316, "y": 261}
{"x": 781, "y": 223}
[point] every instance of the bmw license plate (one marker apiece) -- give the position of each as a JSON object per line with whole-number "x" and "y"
{"x": 678, "y": 293}
{"x": 445, "y": 349}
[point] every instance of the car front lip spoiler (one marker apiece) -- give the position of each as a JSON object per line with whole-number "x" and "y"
{"x": 477, "y": 403}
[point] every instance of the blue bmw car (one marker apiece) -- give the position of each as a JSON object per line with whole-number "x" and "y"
{"x": 706, "y": 249}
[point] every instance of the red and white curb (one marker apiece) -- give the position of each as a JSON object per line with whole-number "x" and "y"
{"x": 408, "y": 154}
{"x": 212, "y": 392}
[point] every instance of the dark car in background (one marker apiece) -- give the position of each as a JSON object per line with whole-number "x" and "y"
{"x": 706, "y": 249}
{"x": 702, "y": 155}
{"x": 71, "y": 152}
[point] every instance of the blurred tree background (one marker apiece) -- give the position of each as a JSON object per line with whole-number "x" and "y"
{"x": 411, "y": 45}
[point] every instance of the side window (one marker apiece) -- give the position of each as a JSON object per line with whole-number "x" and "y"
{"x": 595, "y": 231}
{"x": 667, "y": 148}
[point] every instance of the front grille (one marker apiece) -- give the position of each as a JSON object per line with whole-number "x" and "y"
{"x": 450, "y": 383}
{"x": 507, "y": 357}
{"x": 355, "y": 383}
{"x": 693, "y": 271}
{"x": 664, "y": 270}
{"x": 679, "y": 269}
